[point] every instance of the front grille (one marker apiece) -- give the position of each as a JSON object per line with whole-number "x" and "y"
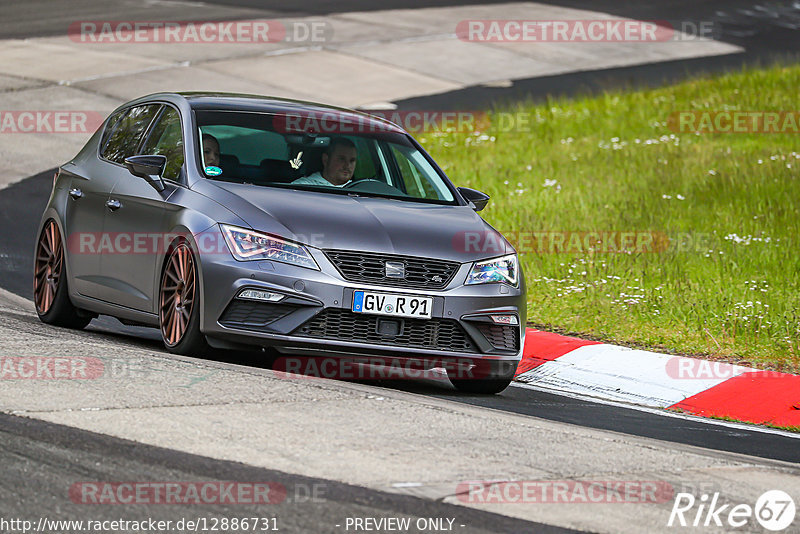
{"x": 252, "y": 313}
{"x": 423, "y": 273}
{"x": 502, "y": 337}
{"x": 344, "y": 325}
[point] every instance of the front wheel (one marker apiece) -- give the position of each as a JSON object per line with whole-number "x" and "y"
{"x": 50, "y": 292}
{"x": 486, "y": 377}
{"x": 179, "y": 304}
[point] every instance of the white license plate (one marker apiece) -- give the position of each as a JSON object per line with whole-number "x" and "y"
{"x": 394, "y": 305}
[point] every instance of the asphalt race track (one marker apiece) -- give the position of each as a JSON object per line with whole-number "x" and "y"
{"x": 22, "y": 203}
{"x": 73, "y": 454}
{"x": 739, "y": 22}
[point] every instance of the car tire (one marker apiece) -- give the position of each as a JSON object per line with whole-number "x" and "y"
{"x": 50, "y": 290}
{"x": 180, "y": 289}
{"x": 488, "y": 377}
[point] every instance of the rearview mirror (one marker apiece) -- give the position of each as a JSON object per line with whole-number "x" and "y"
{"x": 148, "y": 167}
{"x": 477, "y": 198}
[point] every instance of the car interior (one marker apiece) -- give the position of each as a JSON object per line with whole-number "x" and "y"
{"x": 241, "y": 161}
{"x": 302, "y": 150}
{"x": 255, "y": 149}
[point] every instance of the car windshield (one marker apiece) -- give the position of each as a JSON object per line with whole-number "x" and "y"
{"x": 286, "y": 151}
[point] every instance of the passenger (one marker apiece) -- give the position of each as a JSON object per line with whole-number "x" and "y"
{"x": 210, "y": 150}
{"x": 338, "y": 165}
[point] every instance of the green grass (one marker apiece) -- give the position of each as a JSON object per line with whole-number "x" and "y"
{"x": 618, "y": 167}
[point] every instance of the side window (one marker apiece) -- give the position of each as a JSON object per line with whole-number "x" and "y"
{"x": 111, "y": 125}
{"x": 416, "y": 184}
{"x": 365, "y": 166}
{"x": 128, "y": 132}
{"x": 166, "y": 139}
{"x": 247, "y": 145}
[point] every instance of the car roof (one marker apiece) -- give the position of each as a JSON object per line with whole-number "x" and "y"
{"x": 268, "y": 104}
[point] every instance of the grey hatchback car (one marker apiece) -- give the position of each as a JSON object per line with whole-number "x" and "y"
{"x": 238, "y": 221}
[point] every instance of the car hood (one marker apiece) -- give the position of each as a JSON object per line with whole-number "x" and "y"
{"x": 333, "y": 221}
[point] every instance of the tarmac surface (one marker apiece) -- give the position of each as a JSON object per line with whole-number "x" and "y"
{"x": 298, "y": 504}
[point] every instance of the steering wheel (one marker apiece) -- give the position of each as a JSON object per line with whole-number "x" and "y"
{"x": 354, "y": 183}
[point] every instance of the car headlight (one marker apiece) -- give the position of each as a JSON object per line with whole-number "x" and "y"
{"x": 505, "y": 269}
{"x": 247, "y": 245}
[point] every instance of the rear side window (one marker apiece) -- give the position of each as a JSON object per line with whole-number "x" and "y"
{"x": 111, "y": 125}
{"x": 249, "y": 145}
{"x": 127, "y": 132}
{"x": 166, "y": 139}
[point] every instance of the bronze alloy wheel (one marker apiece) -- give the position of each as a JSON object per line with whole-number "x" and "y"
{"x": 177, "y": 295}
{"x": 49, "y": 266}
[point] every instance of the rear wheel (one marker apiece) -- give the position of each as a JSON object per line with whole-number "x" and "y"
{"x": 50, "y": 292}
{"x": 179, "y": 303}
{"x": 485, "y": 378}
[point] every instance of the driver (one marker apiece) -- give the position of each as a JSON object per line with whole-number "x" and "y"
{"x": 338, "y": 165}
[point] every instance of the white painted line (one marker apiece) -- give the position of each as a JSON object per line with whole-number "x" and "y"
{"x": 658, "y": 411}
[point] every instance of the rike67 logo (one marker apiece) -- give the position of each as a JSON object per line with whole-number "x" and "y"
{"x": 774, "y": 510}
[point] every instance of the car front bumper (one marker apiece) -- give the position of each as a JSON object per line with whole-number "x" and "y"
{"x": 315, "y": 317}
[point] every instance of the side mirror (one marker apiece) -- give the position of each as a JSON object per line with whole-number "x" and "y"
{"x": 148, "y": 167}
{"x": 477, "y": 198}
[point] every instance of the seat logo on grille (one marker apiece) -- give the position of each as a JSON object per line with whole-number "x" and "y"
{"x": 395, "y": 269}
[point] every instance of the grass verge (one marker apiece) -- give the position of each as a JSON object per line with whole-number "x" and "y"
{"x": 723, "y": 279}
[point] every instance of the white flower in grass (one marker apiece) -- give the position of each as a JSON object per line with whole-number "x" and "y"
{"x": 549, "y": 183}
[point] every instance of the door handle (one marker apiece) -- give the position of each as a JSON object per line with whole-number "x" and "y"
{"x": 75, "y": 193}
{"x": 113, "y": 204}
